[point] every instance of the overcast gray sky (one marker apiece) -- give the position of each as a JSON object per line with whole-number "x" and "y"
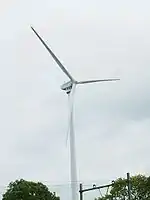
{"x": 94, "y": 39}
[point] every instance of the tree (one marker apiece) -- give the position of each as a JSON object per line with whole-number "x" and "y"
{"x": 28, "y": 190}
{"x": 140, "y": 189}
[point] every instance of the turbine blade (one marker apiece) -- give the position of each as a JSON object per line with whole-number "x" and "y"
{"x": 53, "y": 55}
{"x": 67, "y": 135}
{"x": 71, "y": 99}
{"x": 99, "y": 80}
{"x": 68, "y": 130}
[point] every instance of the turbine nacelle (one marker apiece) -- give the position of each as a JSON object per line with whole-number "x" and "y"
{"x": 67, "y": 87}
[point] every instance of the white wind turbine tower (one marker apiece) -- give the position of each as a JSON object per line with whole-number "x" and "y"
{"x": 70, "y": 87}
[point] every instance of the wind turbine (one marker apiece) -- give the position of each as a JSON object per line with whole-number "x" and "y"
{"x": 70, "y": 87}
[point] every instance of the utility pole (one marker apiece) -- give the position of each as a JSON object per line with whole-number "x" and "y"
{"x": 129, "y": 186}
{"x": 81, "y": 191}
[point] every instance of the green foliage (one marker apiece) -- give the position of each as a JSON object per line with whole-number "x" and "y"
{"x": 27, "y": 190}
{"x": 140, "y": 189}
